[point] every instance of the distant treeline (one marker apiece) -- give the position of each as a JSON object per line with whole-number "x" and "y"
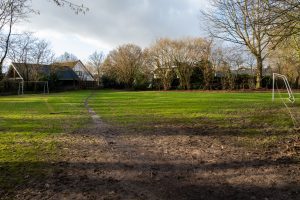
{"x": 188, "y": 63}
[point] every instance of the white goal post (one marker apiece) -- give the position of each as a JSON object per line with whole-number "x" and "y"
{"x": 45, "y": 86}
{"x": 287, "y": 85}
{"x": 21, "y": 88}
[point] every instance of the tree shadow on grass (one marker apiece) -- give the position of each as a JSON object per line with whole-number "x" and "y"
{"x": 207, "y": 128}
{"x": 146, "y": 180}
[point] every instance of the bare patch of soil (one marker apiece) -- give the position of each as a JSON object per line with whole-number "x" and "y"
{"x": 106, "y": 162}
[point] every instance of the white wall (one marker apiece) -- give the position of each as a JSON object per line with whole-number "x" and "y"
{"x": 85, "y": 75}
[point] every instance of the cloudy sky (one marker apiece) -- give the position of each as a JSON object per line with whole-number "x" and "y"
{"x": 110, "y": 23}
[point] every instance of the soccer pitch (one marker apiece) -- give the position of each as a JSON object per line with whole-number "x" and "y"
{"x": 238, "y": 113}
{"x": 36, "y": 130}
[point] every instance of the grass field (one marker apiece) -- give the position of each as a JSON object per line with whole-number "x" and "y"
{"x": 30, "y": 124}
{"x": 28, "y": 128}
{"x": 246, "y": 112}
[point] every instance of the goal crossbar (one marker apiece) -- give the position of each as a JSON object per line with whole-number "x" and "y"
{"x": 287, "y": 85}
{"x": 45, "y": 86}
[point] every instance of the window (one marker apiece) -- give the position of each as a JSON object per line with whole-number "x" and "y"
{"x": 79, "y": 73}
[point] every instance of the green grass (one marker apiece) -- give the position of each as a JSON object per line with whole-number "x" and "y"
{"x": 29, "y": 126}
{"x": 243, "y": 113}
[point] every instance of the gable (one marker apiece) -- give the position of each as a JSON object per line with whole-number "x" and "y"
{"x": 28, "y": 72}
{"x": 12, "y": 73}
{"x": 82, "y": 72}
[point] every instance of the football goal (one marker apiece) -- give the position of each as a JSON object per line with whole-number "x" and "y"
{"x": 33, "y": 87}
{"x": 283, "y": 88}
{"x": 277, "y": 77}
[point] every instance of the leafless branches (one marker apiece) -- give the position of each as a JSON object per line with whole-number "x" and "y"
{"x": 30, "y": 51}
{"x": 124, "y": 64}
{"x": 240, "y": 22}
{"x": 25, "y": 48}
{"x": 95, "y": 64}
{"x": 75, "y": 7}
{"x": 284, "y": 18}
{"x": 162, "y": 61}
{"x": 66, "y": 57}
{"x": 11, "y": 12}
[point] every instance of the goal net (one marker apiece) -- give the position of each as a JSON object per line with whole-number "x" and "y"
{"x": 282, "y": 90}
{"x": 36, "y": 87}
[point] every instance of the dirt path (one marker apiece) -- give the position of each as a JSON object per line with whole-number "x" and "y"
{"x": 105, "y": 162}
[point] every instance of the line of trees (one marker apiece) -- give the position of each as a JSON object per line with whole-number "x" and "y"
{"x": 186, "y": 63}
{"x": 259, "y": 25}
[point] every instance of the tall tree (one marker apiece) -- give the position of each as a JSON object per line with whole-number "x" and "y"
{"x": 162, "y": 61}
{"x": 26, "y": 48}
{"x": 240, "y": 22}
{"x": 11, "y": 12}
{"x": 66, "y": 57}
{"x": 286, "y": 59}
{"x": 42, "y": 52}
{"x": 284, "y": 18}
{"x": 95, "y": 63}
{"x": 125, "y": 63}
{"x": 31, "y": 51}
{"x": 187, "y": 54}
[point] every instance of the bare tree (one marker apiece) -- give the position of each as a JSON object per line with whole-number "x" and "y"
{"x": 74, "y": 6}
{"x": 229, "y": 62}
{"x": 145, "y": 77}
{"x": 124, "y": 63}
{"x": 11, "y": 12}
{"x": 25, "y": 48}
{"x": 31, "y": 52}
{"x": 286, "y": 59}
{"x": 250, "y": 62}
{"x": 95, "y": 64}
{"x": 162, "y": 61}
{"x": 187, "y": 54}
{"x": 217, "y": 56}
{"x": 21, "y": 48}
{"x": 284, "y": 18}
{"x": 42, "y": 53}
{"x": 240, "y": 22}
{"x": 227, "y": 79}
{"x": 66, "y": 57}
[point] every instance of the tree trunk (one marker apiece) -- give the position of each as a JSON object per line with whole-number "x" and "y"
{"x": 188, "y": 84}
{"x": 166, "y": 87}
{"x": 6, "y": 43}
{"x": 259, "y": 72}
{"x": 297, "y": 82}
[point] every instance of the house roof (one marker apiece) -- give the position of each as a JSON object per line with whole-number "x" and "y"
{"x": 62, "y": 72}
{"x": 24, "y": 68}
{"x": 70, "y": 64}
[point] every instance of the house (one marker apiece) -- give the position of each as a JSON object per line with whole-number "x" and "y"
{"x": 61, "y": 75}
{"x": 79, "y": 68}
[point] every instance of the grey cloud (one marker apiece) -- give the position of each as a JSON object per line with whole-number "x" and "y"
{"x": 122, "y": 21}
